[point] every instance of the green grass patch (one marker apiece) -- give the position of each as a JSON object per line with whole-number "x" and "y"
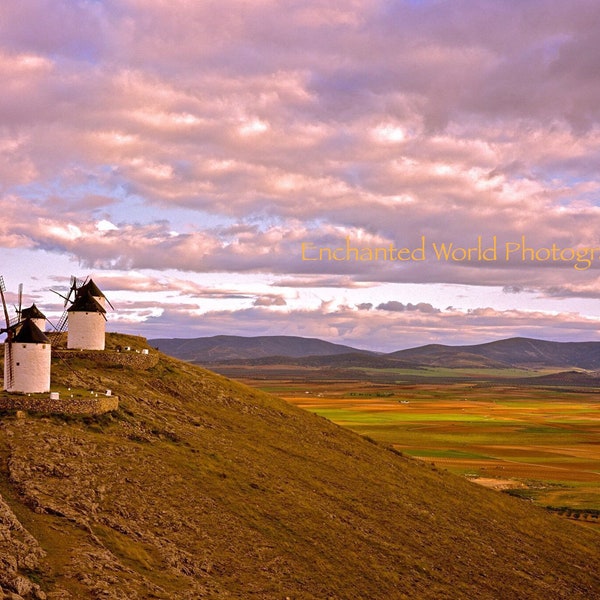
{"x": 450, "y": 373}
{"x": 132, "y": 552}
{"x": 383, "y": 417}
{"x": 445, "y": 453}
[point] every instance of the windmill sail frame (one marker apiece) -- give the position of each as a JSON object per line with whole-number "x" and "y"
{"x": 9, "y": 330}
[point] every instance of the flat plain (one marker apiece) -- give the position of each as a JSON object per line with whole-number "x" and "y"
{"x": 539, "y": 443}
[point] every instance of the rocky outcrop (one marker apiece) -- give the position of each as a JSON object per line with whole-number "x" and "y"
{"x": 19, "y": 554}
{"x": 65, "y": 477}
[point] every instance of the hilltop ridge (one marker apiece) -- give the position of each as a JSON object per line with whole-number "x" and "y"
{"x": 232, "y": 347}
{"x": 511, "y": 352}
{"x": 200, "y": 487}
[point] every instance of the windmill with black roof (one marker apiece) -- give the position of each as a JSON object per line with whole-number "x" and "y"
{"x": 27, "y": 351}
{"x": 86, "y": 318}
{"x": 36, "y": 315}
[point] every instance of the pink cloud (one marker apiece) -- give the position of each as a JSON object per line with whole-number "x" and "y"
{"x": 137, "y": 136}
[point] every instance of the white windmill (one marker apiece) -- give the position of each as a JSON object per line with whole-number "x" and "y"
{"x": 27, "y": 352}
{"x": 85, "y": 318}
{"x": 35, "y": 314}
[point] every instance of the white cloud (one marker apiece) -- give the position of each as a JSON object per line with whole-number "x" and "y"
{"x": 105, "y": 225}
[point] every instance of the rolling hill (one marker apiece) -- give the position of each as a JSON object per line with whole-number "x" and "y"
{"x": 207, "y": 350}
{"x": 202, "y": 488}
{"x": 273, "y": 350}
{"x": 512, "y": 352}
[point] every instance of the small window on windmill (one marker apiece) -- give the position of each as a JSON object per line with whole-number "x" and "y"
{"x": 18, "y": 364}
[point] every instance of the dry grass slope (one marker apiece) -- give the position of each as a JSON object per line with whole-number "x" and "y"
{"x": 203, "y": 488}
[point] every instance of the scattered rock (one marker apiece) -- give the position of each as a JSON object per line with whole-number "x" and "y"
{"x": 21, "y": 585}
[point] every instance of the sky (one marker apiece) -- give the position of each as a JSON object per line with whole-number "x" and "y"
{"x": 383, "y": 174}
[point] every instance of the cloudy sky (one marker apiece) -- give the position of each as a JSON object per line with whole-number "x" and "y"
{"x": 268, "y": 167}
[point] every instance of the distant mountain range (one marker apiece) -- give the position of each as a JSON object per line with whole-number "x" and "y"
{"x": 512, "y": 352}
{"x": 220, "y": 348}
{"x": 273, "y": 350}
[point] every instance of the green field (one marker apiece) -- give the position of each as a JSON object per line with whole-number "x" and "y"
{"x": 540, "y": 444}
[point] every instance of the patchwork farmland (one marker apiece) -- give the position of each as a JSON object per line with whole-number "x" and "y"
{"x": 540, "y": 444}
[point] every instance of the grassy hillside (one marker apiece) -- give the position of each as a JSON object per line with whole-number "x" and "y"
{"x": 203, "y": 488}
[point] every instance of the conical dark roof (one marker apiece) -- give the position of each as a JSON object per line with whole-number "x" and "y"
{"x": 92, "y": 288}
{"x": 30, "y": 333}
{"x": 33, "y": 312}
{"x": 86, "y": 303}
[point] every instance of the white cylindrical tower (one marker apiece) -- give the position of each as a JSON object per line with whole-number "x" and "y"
{"x": 86, "y": 330}
{"x": 86, "y": 324}
{"x": 27, "y": 361}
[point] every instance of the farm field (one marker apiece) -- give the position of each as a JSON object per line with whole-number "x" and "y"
{"x": 540, "y": 444}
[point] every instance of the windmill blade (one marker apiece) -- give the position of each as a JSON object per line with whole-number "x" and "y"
{"x": 59, "y": 294}
{"x": 20, "y": 301}
{"x": 2, "y": 290}
{"x": 9, "y": 366}
{"x": 72, "y": 290}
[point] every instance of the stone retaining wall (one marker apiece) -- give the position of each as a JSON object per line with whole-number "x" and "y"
{"x": 81, "y": 405}
{"x": 132, "y": 359}
{"x": 71, "y": 406}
